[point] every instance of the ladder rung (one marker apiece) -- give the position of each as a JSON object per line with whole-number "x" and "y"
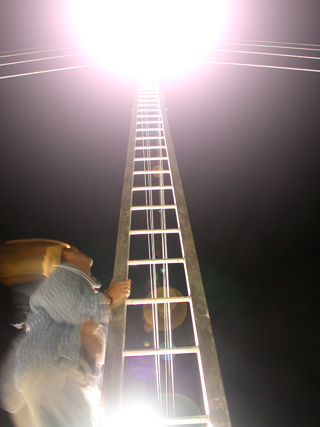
{"x": 148, "y": 110}
{"x": 161, "y": 351}
{"x": 146, "y": 138}
{"x": 185, "y": 421}
{"x": 153, "y": 187}
{"x": 153, "y": 172}
{"x": 148, "y": 98}
{"x": 152, "y": 207}
{"x": 143, "y": 104}
{"x": 150, "y": 301}
{"x": 151, "y": 147}
{"x": 155, "y": 261}
{"x": 150, "y": 129}
{"x": 148, "y": 116}
{"x": 155, "y": 231}
{"x": 150, "y": 122}
{"x": 144, "y": 159}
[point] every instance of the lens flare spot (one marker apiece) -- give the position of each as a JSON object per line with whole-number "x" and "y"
{"x": 155, "y": 169}
{"x": 176, "y": 312}
{"x": 143, "y": 374}
{"x": 147, "y": 327}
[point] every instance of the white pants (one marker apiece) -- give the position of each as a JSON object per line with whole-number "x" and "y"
{"x": 56, "y": 399}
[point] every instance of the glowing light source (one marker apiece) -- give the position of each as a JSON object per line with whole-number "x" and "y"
{"x": 137, "y": 415}
{"x": 93, "y": 395}
{"x": 148, "y": 37}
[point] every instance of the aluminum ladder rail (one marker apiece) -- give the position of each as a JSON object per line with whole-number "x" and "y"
{"x": 151, "y": 173}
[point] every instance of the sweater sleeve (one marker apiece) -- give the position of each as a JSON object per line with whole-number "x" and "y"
{"x": 68, "y": 298}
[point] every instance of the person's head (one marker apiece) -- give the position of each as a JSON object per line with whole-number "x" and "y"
{"x": 78, "y": 259}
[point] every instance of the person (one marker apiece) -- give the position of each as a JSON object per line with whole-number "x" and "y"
{"x": 54, "y": 364}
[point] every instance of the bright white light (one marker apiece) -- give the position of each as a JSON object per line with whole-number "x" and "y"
{"x": 149, "y": 37}
{"x": 136, "y": 415}
{"x": 93, "y": 396}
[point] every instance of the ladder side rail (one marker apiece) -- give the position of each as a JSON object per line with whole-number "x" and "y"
{"x": 219, "y": 414}
{"x": 114, "y": 359}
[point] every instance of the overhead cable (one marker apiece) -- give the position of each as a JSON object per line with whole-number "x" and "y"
{"x": 262, "y": 66}
{"x": 272, "y": 41}
{"x": 47, "y": 71}
{"x": 39, "y": 59}
{"x": 273, "y": 46}
{"x": 34, "y": 52}
{"x": 268, "y": 54}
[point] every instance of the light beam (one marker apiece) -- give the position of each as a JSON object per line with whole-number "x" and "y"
{"x": 148, "y": 38}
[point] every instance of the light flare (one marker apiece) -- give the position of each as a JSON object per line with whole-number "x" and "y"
{"x": 178, "y": 311}
{"x": 137, "y": 415}
{"x": 146, "y": 38}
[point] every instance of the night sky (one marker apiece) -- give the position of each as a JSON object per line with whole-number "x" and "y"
{"x": 247, "y": 145}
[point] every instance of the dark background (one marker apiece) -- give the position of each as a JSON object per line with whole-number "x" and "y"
{"x": 247, "y": 144}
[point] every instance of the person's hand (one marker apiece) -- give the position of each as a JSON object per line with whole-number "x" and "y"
{"x": 119, "y": 290}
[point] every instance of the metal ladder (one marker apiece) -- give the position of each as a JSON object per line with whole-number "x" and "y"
{"x": 160, "y": 346}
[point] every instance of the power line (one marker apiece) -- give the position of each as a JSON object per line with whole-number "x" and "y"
{"x": 46, "y": 71}
{"x": 39, "y": 59}
{"x": 37, "y": 47}
{"x": 38, "y": 51}
{"x": 268, "y": 54}
{"x": 273, "y": 46}
{"x": 271, "y": 41}
{"x": 262, "y": 66}
{"x": 209, "y": 62}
